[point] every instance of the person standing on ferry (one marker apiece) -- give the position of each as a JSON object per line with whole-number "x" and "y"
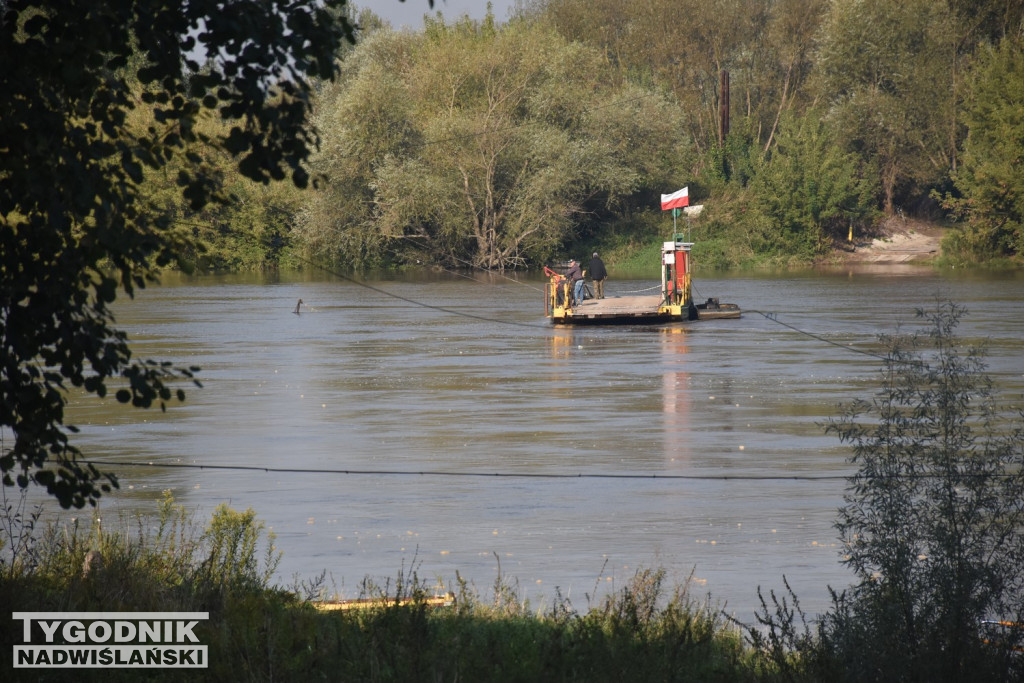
{"x": 598, "y": 273}
{"x": 575, "y": 277}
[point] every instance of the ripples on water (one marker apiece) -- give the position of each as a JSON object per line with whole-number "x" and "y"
{"x": 361, "y": 380}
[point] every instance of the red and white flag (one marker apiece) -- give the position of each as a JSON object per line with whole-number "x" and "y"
{"x": 676, "y": 200}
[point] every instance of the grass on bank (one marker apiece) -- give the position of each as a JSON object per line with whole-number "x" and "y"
{"x": 258, "y": 631}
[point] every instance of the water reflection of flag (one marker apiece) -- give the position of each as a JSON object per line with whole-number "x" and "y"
{"x": 676, "y": 200}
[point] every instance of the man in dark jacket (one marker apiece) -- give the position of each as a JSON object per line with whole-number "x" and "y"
{"x": 598, "y": 274}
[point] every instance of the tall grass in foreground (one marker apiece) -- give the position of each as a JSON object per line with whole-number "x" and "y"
{"x": 258, "y": 632}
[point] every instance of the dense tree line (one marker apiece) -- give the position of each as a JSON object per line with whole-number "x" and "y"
{"x": 505, "y": 145}
{"x": 499, "y": 145}
{"x": 892, "y": 83}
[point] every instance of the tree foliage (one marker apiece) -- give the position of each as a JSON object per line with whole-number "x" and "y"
{"x": 990, "y": 181}
{"x": 888, "y": 69}
{"x": 890, "y": 85}
{"x": 889, "y": 79}
{"x": 76, "y": 227}
{"x": 767, "y": 47}
{"x": 810, "y": 188}
{"x": 484, "y": 146}
{"x": 251, "y": 229}
{"x": 933, "y": 523}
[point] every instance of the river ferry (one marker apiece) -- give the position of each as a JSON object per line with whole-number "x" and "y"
{"x": 673, "y": 303}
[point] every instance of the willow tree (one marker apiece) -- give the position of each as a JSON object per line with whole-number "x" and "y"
{"x": 484, "y": 145}
{"x": 365, "y": 116}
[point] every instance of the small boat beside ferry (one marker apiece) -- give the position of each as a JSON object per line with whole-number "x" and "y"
{"x": 673, "y": 303}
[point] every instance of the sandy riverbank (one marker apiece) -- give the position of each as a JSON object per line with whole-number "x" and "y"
{"x": 900, "y": 241}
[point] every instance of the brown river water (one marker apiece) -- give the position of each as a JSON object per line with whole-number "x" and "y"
{"x": 441, "y": 424}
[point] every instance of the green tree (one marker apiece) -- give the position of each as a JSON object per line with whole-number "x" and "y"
{"x": 792, "y": 29}
{"x": 251, "y": 230}
{"x": 886, "y": 68}
{"x": 484, "y": 145}
{"x": 990, "y": 181}
{"x": 75, "y": 229}
{"x": 683, "y": 46}
{"x": 933, "y": 523}
{"x": 365, "y": 116}
{"x": 810, "y": 188}
{"x": 646, "y": 40}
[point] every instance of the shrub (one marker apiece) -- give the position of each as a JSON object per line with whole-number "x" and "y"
{"x": 932, "y": 526}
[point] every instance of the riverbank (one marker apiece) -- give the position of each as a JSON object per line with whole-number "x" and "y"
{"x": 900, "y": 240}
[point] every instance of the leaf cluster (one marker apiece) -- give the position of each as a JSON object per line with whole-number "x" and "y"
{"x": 93, "y": 97}
{"x": 932, "y": 527}
{"x": 934, "y": 515}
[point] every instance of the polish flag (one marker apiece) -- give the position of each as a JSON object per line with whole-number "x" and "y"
{"x": 676, "y": 200}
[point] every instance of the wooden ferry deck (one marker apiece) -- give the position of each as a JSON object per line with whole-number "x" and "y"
{"x": 628, "y": 310}
{"x": 621, "y": 309}
{"x": 624, "y": 309}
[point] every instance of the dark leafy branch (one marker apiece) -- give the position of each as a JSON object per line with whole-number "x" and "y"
{"x": 93, "y": 95}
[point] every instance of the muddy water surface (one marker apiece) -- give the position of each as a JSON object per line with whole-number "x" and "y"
{"x": 569, "y": 458}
